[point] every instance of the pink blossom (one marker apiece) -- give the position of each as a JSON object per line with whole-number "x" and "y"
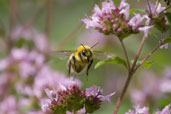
{"x": 97, "y": 92}
{"x": 93, "y": 91}
{"x": 136, "y": 21}
{"x": 51, "y": 94}
{"x": 125, "y": 9}
{"x": 166, "y": 110}
{"x": 45, "y": 103}
{"x": 139, "y": 110}
{"x": 145, "y": 30}
{"x": 107, "y": 98}
{"x": 107, "y": 7}
{"x": 158, "y": 10}
{"x": 18, "y": 54}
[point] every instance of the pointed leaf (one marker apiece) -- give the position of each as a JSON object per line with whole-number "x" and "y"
{"x": 148, "y": 64}
{"x": 112, "y": 60}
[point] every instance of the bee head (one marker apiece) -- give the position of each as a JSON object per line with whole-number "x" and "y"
{"x": 84, "y": 52}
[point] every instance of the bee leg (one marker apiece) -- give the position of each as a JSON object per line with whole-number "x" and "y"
{"x": 69, "y": 68}
{"x": 88, "y": 69}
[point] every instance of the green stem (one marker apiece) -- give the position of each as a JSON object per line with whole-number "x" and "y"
{"x": 148, "y": 56}
{"x": 123, "y": 93}
{"x": 138, "y": 52}
{"x": 126, "y": 55}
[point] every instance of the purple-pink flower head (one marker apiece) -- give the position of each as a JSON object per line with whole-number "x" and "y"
{"x": 138, "y": 110}
{"x": 156, "y": 9}
{"x": 71, "y": 99}
{"x": 109, "y": 19}
{"x": 97, "y": 93}
{"x": 166, "y": 110}
{"x": 115, "y": 20}
{"x": 60, "y": 100}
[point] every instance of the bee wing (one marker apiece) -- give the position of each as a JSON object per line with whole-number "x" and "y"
{"x": 102, "y": 55}
{"x": 62, "y": 54}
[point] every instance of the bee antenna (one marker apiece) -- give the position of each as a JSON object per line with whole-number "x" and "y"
{"x": 94, "y": 45}
{"x": 83, "y": 46}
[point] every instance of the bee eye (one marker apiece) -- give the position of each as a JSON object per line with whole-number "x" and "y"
{"x": 84, "y": 52}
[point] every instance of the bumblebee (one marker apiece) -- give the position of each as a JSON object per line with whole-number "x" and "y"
{"x": 82, "y": 58}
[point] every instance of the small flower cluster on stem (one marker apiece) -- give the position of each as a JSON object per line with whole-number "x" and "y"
{"x": 68, "y": 99}
{"x": 115, "y": 20}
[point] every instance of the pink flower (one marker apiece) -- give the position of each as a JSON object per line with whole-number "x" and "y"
{"x": 107, "y": 98}
{"x": 45, "y": 103}
{"x": 115, "y": 20}
{"x": 125, "y": 9}
{"x": 166, "y": 110}
{"x": 136, "y": 21}
{"x": 145, "y": 30}
{"x": 97, "y": 92}
{"x": 158, "y": 10}
{"x": 139, "y": 110}
{"x": 52, "y": 94}
{"x": 104, "y": 19}
{"x": 93, "y": 91}
{"x": 18, "y": 54}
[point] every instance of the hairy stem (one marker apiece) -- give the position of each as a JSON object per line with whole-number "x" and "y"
{"x": 126, "y": 55}
{"x": 148, "y": 56}
{"x": 138, "y": 52}
{"x": 123, "y": 93}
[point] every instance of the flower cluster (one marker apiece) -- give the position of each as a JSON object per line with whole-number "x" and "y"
{"x": 160, "y": 22}
{"x": 68, "y": 99}
{"x": 145, "y": 110}
{"x": 115, "y": 20}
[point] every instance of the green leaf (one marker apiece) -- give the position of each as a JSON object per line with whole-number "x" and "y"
{"x": 131, "y": 11}
{"x": 168, "y": 40}
{"x": 168, "y": 17}
{"x": 112, "y": 60}
{"x": 147, "y": 64}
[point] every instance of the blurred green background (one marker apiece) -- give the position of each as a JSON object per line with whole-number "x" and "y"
{"x": 67, "y": 15}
